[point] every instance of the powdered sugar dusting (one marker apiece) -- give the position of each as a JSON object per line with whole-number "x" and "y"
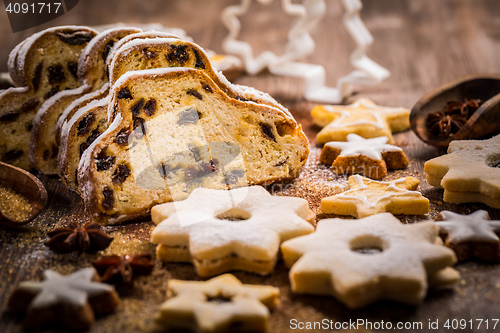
{"x": 316, "y": 181}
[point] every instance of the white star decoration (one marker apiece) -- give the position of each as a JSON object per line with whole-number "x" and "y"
{"x": 73, "y": 289}
{"x": 301, "y": 44}
{"x": 357, "y": 145}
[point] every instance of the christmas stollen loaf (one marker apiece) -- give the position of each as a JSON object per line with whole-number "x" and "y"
{"x": 174, "y": 130}
{"x": 45, "y": 64}
{"x": 92, "y": 75}
{"x": 140, "y": 54}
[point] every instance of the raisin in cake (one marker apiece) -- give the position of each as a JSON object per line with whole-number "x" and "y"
{"x": 163, "y": 53}
{"x": 71, "y": 110}
{"x": 92, "y": 75}
{"x": 48, "y": 62}
{"x": 175, "y": 130}
{"x": 84, "y": 127}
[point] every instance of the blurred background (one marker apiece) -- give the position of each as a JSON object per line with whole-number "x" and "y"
{"x": 424, "y": 43}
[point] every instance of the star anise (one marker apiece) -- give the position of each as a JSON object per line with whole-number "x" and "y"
{"x": 121, "y": 270}
{"x": 87, "y": 238}
{"x": 443, "y": 125}
{"x": 465, "y": 109}
{"x": 446, "y": 123}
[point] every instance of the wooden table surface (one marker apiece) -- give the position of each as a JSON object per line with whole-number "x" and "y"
{"x": 424, "y": 43}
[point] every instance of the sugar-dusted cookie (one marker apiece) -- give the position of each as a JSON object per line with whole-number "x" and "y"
{"x": 222, "y": 304}
{"x": 367, "y": 197}
{"x": 363, "y": 117}
{"x": 362, "y": 261}
{"x": 219, "y": 230}
{"x": 70, "y": 300}
{"x": 369, "y": 157}
{"x": 471, "y": 236}
{"x": 470, "y": 172}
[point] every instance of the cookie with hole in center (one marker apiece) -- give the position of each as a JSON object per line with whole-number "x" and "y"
{"x": 222, "y": 304}
{"x": 362, "y": 261}
{"x": 219, "y": 231}
{"x": 470, "y": 172}
{"x": 471, "y": 236}
{"x": 368, "y": 197}
{"x": 369, "y": 157}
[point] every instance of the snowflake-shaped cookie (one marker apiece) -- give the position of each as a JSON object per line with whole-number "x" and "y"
{"x": 301, "y": 44}
{"x": 362, "y": 261}
{"x": 470, "y": 172}
{"x": 239, "y": 229}
{"x": 471, "y": 236}
{"x": 368, "y": 197}
{"x": 363, "y": 117}
{"x": 222, "y": 304}
{"x": 77, "y": 293}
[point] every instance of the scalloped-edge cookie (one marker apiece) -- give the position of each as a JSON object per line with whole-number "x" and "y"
{"x": 470, "y": 172}
{"x": 369, "y": 157}
{"x": 367, "y": 197}
{"x": 72, "y": 300}
{"x": 363, "y": 117}
{"x": 375, "y": 258}
{"x": 219, "y": 231}
{"x": 222, "y": 304}
{"x": 471, "y": 236}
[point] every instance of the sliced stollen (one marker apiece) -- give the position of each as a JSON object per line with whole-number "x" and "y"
{"x": 175, "y": 130}
{"x": 163, "y": 53}
{"x": 48, "y": 63}
{"x": 135, "y": 54}
{"x": 71, "y": 110}
{"x": 67, "y": 127}
{"x": 92, "y": 75}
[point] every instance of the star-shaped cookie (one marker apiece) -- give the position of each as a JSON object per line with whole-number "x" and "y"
{"x": 222, "y": 304}
{"x": 368, "y": 197}
{"x": 77, "y": 294}
{"x": 369, "y": 157}
{"x": 471, "y": 236}
{"x": 470, "y": 172}
{"x": 219, "y": 231}
{"x": 363, "y": 117}
{"x": 362, "y": 261}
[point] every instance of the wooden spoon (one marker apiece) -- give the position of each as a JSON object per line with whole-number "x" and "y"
{"x": 28, "y": 186}
{"x": 485, "y": 122}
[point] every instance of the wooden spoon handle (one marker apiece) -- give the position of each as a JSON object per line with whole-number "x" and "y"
{"x": 25, "y": 184}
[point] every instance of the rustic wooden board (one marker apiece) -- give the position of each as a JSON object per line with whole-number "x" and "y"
{"x": 424, "y": 43}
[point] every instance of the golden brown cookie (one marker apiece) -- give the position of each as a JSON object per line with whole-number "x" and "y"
{"x": 367, "y": 197}
{"x": 369, "y": 157}
{"x": 363, "y": 117}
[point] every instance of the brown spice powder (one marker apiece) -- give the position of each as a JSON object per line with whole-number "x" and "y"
{"x": 13, "y": 205}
